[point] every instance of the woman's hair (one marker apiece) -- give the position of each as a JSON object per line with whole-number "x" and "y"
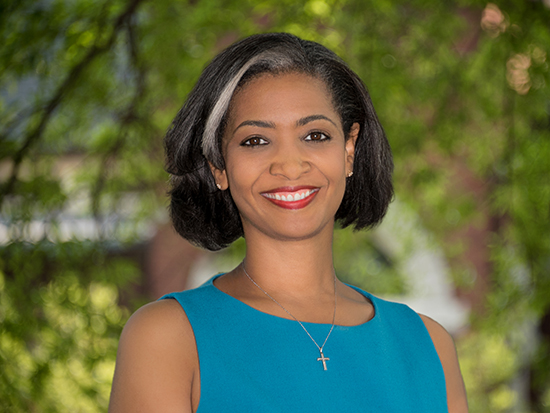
{"x": 207, "y": 216}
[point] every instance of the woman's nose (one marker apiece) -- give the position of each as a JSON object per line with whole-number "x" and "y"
{"x": 290, "y": 163}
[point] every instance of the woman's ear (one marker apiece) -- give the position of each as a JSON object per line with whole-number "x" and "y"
{"x": 350, "y": 147}
{"x": 220, "y": 176}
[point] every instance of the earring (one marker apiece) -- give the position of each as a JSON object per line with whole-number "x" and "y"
{"x": 219, "y": 186}
{"x": 350, "y": 174}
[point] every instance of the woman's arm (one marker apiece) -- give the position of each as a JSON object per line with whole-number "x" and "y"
{"x": 444, "y": 345}
{"x": 157, "y": 365}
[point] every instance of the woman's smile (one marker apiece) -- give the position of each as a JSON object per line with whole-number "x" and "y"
{"x": 291, "y": 197}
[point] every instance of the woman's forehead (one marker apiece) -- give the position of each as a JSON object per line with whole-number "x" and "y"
{"x": 290, "y": 96}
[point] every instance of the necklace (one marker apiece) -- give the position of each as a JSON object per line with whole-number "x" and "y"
{"x": 323, "y": 359}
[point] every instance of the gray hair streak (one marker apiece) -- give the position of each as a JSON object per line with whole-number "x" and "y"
{"x": 210, "y": 149}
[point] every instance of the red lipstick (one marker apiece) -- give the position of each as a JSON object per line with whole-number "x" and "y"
{"x": 295, "y": 197}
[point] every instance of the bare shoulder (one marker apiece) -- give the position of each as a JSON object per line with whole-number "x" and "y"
{"x": 156, "y": 361}
{"x": 161, "y": 317}
{"x": 445, "y": 347}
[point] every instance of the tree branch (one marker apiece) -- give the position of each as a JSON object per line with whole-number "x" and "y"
{"x": 127, "y": 116}
{"x": 36, "y": 133}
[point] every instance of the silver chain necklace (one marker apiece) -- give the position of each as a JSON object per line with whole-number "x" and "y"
{"x": 323, "y": 359}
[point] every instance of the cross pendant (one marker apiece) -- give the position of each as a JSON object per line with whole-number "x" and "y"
{"x": 323, "y": 359}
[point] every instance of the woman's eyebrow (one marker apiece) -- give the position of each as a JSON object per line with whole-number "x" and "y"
{"x": 258, "y": 123}
{"x": 271, "y": 125}
{"x": 307, "y": 119}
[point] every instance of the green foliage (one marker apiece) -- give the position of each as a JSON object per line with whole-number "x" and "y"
{"x": 60, "y": 322}
{"x": 360, "y": 261}
{"x": 87, "y": 89}
{"x": 488, "y": 365}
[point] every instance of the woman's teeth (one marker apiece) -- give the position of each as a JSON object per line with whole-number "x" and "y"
{"x": 290, "y": 197}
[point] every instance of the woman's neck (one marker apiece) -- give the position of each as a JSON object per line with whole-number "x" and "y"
{"x": 294, "y": 268}
{"x": 300, "y": 276}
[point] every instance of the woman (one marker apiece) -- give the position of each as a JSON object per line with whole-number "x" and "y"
{"x": 278, "y": 140}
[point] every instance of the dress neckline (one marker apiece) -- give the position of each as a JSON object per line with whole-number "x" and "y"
{"x": 372, "y": 299}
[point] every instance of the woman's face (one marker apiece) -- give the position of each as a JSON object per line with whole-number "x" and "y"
{"x": 286, "y": 156}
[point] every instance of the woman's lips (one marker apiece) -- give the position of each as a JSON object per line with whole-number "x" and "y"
{"x": 291, "y": 197}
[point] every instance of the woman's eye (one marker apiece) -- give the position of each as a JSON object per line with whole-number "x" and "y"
{"x": 255, "y": 141}
{"x": 316, "y": 136}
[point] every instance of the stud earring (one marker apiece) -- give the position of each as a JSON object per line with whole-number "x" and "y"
{"x": 350, "y": 174}
{"x": 219, "y": 186}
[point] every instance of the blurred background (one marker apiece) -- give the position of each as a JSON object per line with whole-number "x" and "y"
{"x": 88, "y": 88}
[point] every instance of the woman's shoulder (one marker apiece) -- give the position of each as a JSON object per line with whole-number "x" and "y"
{"x": 157, "y": 320}
{"x": 163, "y": 327}
{"x": 156, "y": 356}
{"x": 394, "y": 313}
{"x": 403, "y": 318}
{"x": 445, "y": 347}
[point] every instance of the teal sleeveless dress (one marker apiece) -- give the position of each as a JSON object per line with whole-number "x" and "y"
{"x": 252, "y": 361}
